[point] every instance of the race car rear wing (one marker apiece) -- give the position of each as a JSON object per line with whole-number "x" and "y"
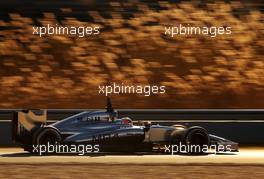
{"x": 25, "y": 121}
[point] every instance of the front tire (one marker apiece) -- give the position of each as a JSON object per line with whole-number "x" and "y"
{"x": 197, "y": 138}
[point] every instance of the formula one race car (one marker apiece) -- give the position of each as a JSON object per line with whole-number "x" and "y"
{"x": 111, "y": 133}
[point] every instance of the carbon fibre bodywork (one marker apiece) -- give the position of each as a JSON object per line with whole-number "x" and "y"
{"x": 99, "y": 127}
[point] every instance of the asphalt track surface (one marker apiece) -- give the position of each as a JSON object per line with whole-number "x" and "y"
{"x": 247, "y": 155}
{"x": 248, "y": 163}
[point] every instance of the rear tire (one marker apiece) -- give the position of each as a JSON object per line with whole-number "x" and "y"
{"x": 44, "y": 136}
{"x": 48, "y": 135}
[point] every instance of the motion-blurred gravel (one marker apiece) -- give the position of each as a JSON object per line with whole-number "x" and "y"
{"x": 198, "y": 71}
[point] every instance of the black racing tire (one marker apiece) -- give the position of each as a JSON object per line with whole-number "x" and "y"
{"x": 196, "y": 136}
{"x": 43, "y": 136}
{"x": 48, "y": 135}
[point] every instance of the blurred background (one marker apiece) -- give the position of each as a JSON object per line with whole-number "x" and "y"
{"x": 198, "y": 71}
